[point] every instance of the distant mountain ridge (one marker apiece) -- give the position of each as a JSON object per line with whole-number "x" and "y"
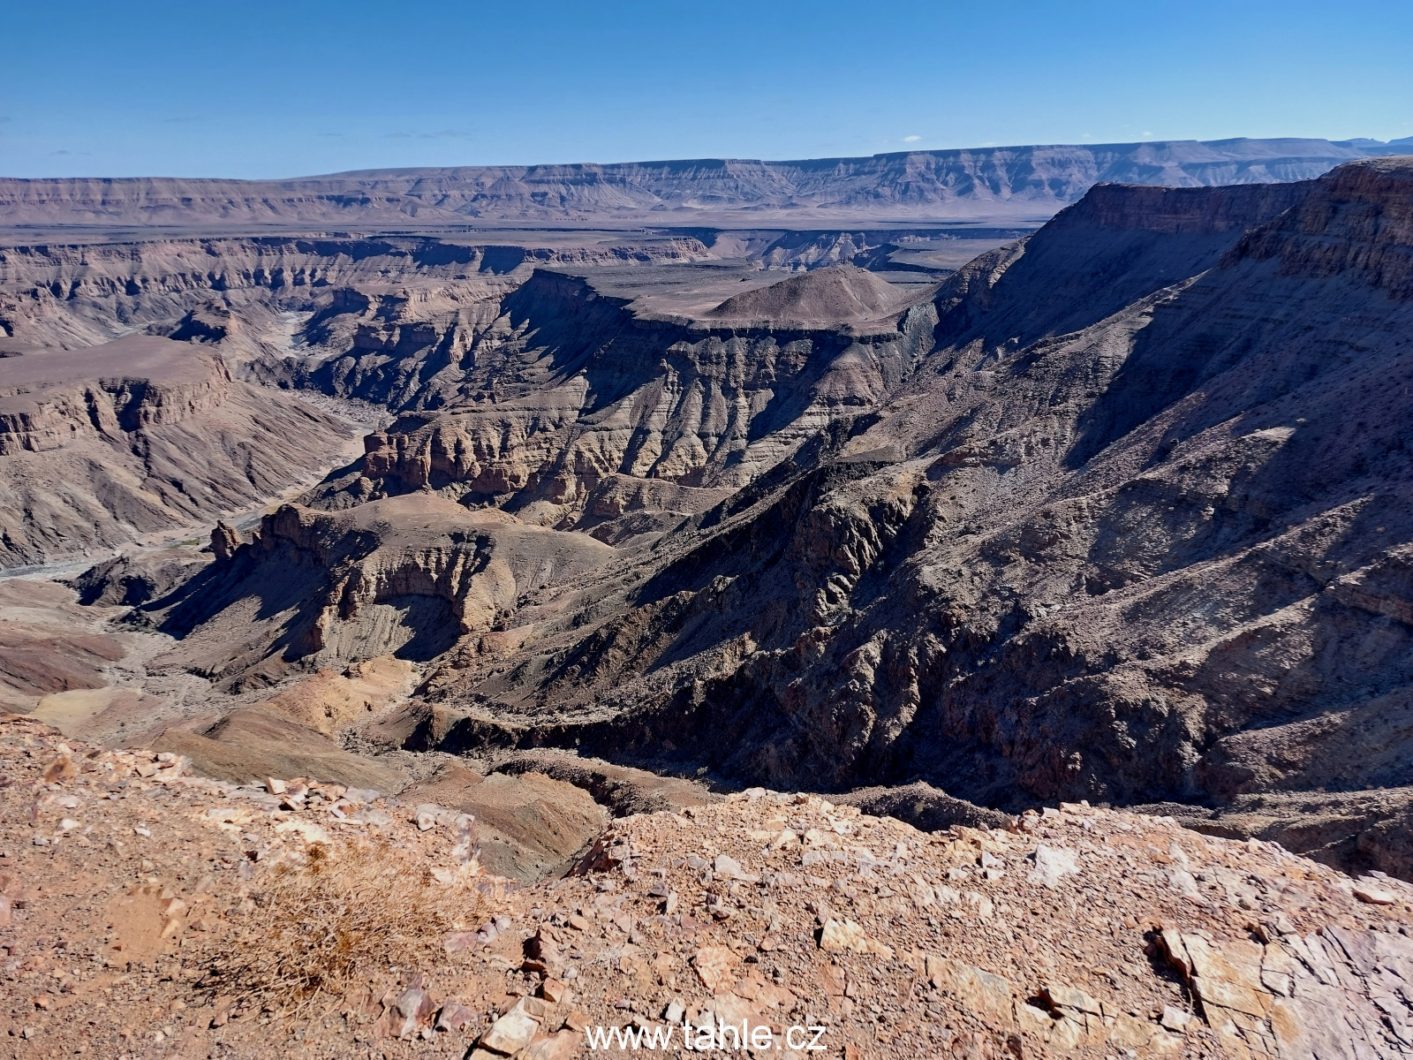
{"x": 1032, "y": 182}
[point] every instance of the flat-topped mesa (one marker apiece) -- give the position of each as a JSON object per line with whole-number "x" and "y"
{"x": 1179, "y": 211}
{"x": 1355, "y": 223}
{"x": 52, "y": 400}
{"x": 141, "y": 435}
{"x": 1030, "y": 181}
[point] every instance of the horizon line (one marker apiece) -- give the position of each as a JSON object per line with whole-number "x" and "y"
{"x": 724, "y": 159}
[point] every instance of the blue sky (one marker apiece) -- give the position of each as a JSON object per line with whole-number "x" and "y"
{"x": 257, "y": 89}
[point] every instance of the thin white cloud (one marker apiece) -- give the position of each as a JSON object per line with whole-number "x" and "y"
{"x": 439, "y": 134}
{"x": 914, "y": 138}
{"x": 1147, "y": 134}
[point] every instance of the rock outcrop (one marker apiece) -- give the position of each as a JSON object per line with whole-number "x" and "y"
{"x": 1072, "y": 932}
{"x": 407, "y": 577}
{"x": 1357, "y": 226}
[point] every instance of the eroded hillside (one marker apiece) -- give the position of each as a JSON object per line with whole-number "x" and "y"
{"x": 141, "y": 436}
{"x": 1118, "y": 512}
{"x": 1105, "y": 528}
{"x": 1154, "y": 554}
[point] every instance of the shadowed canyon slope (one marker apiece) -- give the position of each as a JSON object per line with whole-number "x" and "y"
{"x": 1119, "y": 511}
{"x": 1029, "y": 182}
{"x": 1157, "y": 554}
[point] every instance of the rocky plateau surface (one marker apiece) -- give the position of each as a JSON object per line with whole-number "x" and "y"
{"x": 142, "y": 914}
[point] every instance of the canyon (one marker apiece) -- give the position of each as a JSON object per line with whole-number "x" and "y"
{"x": 576, "y": 511}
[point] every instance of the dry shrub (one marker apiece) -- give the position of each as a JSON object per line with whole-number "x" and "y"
{"x": 316, "y": 931}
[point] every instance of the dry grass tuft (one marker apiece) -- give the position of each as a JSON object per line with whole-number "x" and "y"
{"x": 319, "y": 930}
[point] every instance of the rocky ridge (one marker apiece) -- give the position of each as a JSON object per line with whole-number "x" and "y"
{"x": 81, "y": 294}
{"x": 569, "y": 398}
{"x": 150, "y": 898}
{"x": 406, "y": 577}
